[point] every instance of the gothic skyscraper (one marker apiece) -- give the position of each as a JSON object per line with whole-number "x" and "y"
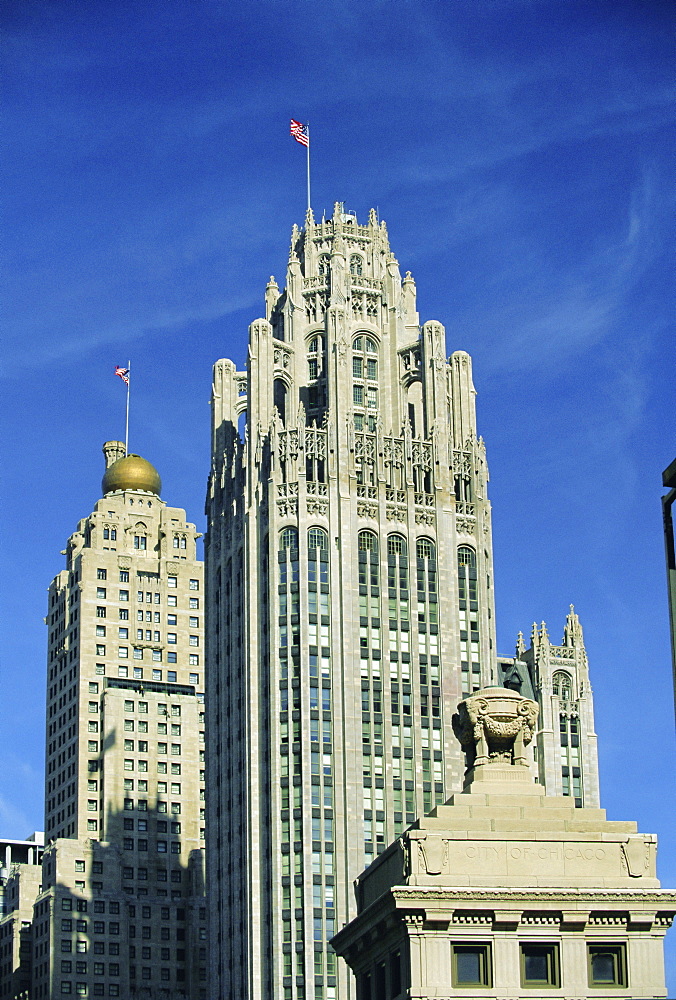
{"x": 350, "y": 580}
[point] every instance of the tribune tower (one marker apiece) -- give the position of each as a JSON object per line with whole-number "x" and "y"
{"x": 350, "y": 574}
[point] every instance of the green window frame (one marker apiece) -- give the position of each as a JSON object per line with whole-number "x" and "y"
{"x": 607, "y": 964}
{"x": 540, "y": 965}
{"x": 472, "y": 964}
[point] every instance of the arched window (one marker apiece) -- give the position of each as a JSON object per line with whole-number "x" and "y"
{"x": 369, "y": 574}
{"x": 397, "y": 565}
{"x": 279, "y": 398}
{"x": 317, "y": 566}
{"x": 288, "y": 539}
{"x": 317, "y": 539}
{"x": 396, "y": 544}
{"x": 356, "y": 264}
{"x": 425, "y": 548}
{"x": 466, "y": 556}
{"x": 562, "y": 685}
{"x": 368, "y": 541}
{"x": 365, "y": 378}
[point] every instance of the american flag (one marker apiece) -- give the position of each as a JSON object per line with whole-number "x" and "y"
{"x": 123, "y": 373}
{"x": 300, "y": 132}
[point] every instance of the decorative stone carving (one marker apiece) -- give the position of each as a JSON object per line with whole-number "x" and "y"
{"x": 494, "y": 726}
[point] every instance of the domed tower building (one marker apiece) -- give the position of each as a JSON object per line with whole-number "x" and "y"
{"x": 122, "y": 911}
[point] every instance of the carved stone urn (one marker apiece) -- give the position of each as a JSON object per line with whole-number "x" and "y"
{"x": 494, "y": 725}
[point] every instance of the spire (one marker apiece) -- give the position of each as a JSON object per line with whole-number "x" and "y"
{"x": 271, "y": 296}
{"x": 572, "y": 633}
{"x": 534, "y": 636}
{"x": 520, "y": 646}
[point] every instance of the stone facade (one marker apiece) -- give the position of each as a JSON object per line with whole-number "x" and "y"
{"x": 122, "y": 910}
{"x": 508, "y": 892}
{"x": 20, "y": 882}
{"x": 350, "y": 572}
{"x": 557, "y": 677}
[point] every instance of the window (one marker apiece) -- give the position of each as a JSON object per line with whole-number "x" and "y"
{"x": 194, "y": 585}
{"x": 288, "y": 539}
{"x": 472, "y": 965}
{"x": 172, "y": 581}
{"x": 194, "y": 640}
{"x": 368, "y": 542}
{"x": 101, "y": 593}
{"x": 194, "y": 678}
{"x": 172, "y": 620}
{"x": 356, "y": 264}
{"x": 607, "y": 965}
{"x": 171, "y": 676}
{"x": 171, "y": 600}
{"x": 540, "y": 965}
{"x": 124, "y": 595}
{"x": 466, "y": 556}
{"x": 561, "y": 685}
{"x": 194, "y": 622}
{"x": 139, "y": 541}
{"x": 100, "y": 650}
{"x": 171, "y": 638}
{"x": 317, "y": 539}
{"x": 124, "y": 576}
{"x": 101, "y": 574}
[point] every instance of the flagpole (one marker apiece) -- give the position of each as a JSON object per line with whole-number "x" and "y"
{"x": 308, "y": 166}
{"x": 126, "y": 427}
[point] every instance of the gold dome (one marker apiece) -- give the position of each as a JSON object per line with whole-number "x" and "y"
{"x": 131, "y": 473}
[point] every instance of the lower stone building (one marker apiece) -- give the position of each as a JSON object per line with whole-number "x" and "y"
{"x": 20, "y": 879}
{"x": 507, "y": 892}
{"x": 92, "y": 937}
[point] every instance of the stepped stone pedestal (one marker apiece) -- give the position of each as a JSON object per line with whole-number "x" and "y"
{"x": 506, "y": 892}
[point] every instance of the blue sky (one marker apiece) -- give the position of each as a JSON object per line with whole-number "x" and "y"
{"x": 520, "y": 153}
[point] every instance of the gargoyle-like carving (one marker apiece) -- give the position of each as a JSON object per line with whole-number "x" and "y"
{"x": 494, "y": 726}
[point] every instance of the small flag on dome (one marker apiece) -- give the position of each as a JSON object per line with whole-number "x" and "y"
{"x": 300, "y": 132}
{"x": 123, "y": 373}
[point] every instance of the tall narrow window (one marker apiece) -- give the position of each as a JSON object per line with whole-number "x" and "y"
{"x": 279, "y": 398}
{"x": 469, "y": 620}
{"x": 365, "y": 378}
